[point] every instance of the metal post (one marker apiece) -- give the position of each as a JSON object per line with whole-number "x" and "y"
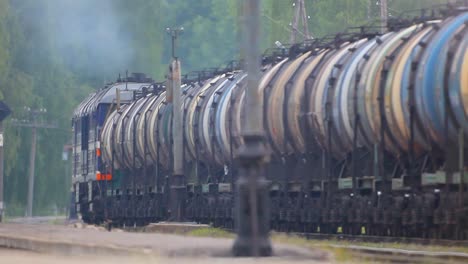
{"x": 174, "y": 32}
{"x": 66, "y": 155}
{"x": 252, "y": 202}
{"x": 32, "y": 161}
{"x": 178, "y": 186}
{"x": 177, "y": 181}
{"x": 4, "y": 112}
{"x": 461, "y": 158}
{"x": 134, "y": 172}
{"x": 295, "y": 23}
{"x": 1, "y": 171}
{"x": 305, "y": 23}
{"x": 300, "y": 12}
{"x": 369, "y": 10}
{"x": 383, "y": 15}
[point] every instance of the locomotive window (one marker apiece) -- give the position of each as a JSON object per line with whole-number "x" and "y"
{"x": 84, "y": 132}
{"x": 76, "y": 131}
{"x": 77, "y": 125}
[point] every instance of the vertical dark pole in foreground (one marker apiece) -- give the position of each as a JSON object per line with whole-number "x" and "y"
{"x": 1, "y": 171}
{"x": 4, "y": 112}
{"x": 177, "y": 181}
{"x": 252, "y": 202}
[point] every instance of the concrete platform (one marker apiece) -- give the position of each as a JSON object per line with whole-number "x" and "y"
{"x": 94, "y": 241}
{"x": 8, "y": 256}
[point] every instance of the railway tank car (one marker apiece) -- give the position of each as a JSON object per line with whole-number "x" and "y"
{"x": 367, "y": 134}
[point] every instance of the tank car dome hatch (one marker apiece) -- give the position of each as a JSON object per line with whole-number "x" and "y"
{"x": 139, "y": 78}
{"x": 126, "y": 92}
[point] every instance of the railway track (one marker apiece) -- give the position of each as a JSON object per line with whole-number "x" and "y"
{"x": 386, "y": 254}
{"x": 392, "y": 255}
{"x": 382, "y": 239}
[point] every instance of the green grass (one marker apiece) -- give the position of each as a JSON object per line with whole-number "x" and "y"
{"x": 210, "y": 232}
{"x": 57, "y": 221}
{"x": 339, "y": 254}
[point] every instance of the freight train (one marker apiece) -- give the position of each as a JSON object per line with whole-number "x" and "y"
{"x": 367, "y": 134}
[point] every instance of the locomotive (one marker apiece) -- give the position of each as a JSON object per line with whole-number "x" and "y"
{"x": 366, "y": 133}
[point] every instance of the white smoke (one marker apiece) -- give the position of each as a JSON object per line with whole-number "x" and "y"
{"x": 89, "y": 36}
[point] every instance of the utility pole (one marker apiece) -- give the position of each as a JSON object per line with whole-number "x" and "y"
{"x": 369, "y": 10}
{"x": 300, "y": 13}
{"x": 34, "y": 124}
{"x": 383, "y": 15}
{"x": 4, "y": 112}
{"x": 66, "y": 154}
{"x": 252, "y": 203}
{"x": 178, "y": 185}
{"x": 174, "y": 33}
{"x": 32, "y": 167}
